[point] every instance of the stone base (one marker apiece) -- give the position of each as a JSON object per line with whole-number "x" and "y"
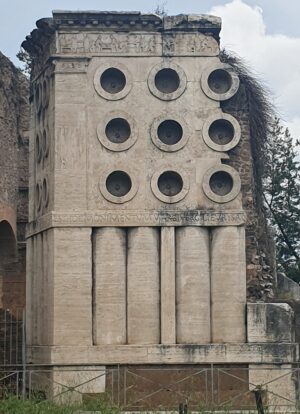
{"x": 278, "y": 384}
{"x": 68, "y": 385}
{"x": 164, "y": 387}
{"x": 155, "y": 377}
{"x": 250, "y": 353}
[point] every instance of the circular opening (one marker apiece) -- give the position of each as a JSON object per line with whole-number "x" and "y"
{"x": 45, "y": 143}
{"x": 45, "y": 192}
{"x": 169, "y": 132}
{"x": 219, "y": 81}
{"x": 113, "y": 80}
{"x": 42, "y": 115}
{"x": 37, "y": 97}
{"x": 118, "y": 183}
{"x": 37, "y": 197}
{"x": 38, "y": 147}
{"x": 170, "y": 183}
{"x": 167, "y": 80}
{"x": 118, "y": 130}
{"x": 221, "y": 132}
{"x": 221, "y": 183}
{"x": 45, "y": 93}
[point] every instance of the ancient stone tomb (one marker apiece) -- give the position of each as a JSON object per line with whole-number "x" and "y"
{"x": 136, "y": 240}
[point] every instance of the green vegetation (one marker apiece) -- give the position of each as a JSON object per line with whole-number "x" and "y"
{"x": 15, "y": 405}
{"x": 276, "y": 168}
{"x": 282, "y": 196}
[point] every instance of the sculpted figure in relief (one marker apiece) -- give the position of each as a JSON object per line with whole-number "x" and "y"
{"x": 169, "y": 45}
{"x": 106, "y": 43}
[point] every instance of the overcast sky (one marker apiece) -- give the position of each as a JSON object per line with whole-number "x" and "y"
{"x": 264, "y": 32}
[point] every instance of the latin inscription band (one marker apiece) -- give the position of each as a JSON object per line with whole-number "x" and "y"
{"x": 136, "y": 219}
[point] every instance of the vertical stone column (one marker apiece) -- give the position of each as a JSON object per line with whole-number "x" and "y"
{"x": 167, "y": 288}
{"x": 192, "y": 285}
{"x": 143, "y": 307}
{"x": 109, "y": 278}
{"x": 228, "y": 284}
{"x": 34, "y": 304}
{"x": 38, "y": 291}
{"x": 29, "y": 291}
{"x": 49, "y": 285}
{"x": 47, "y": 289}
{"x": 72, "y": 324}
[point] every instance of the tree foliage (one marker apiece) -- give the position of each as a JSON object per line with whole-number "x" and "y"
{"x": 282, "y": 197}
{"x": 25, "y": 58}
{"x": 160, "y": 9}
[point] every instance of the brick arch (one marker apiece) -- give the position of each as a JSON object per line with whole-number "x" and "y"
{"x": 8, "y": 251}
{"x": 8, "y": 243}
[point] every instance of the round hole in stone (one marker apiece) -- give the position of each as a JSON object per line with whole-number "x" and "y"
{"x": 37, "y": 196}
{"x": 221, "y": 132}
{"x": 170, "y": 183}
{"x": 42, "y": 115}
{"x": 45, "y": 192}
{"x": 221, "y": 183}
{"x": 38, "y": 146}
{"x": 169, "y": 132}
{"x": 118, "y": 183}
{"x": 113, "y": 80}
{"x": 219, "y": 81}
{"x": 45, "y": 93}
{"x": 45, "y": 143}
{"x": 167, "y": 80}
{"x": 118, "y": 130}
{"x": 37, "y": 96}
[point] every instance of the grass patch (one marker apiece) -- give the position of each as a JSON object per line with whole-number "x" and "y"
{"x": 14, "y": 405}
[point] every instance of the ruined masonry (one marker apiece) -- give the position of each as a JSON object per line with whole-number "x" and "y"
{"x": 136, "y": 249}
{"x": 14, "y": 120}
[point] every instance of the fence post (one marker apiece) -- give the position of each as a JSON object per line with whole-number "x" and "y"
{"x": 259, "y": 401}
{"x": 212, "y": 383}
{"x": 24, "y": 354}
{"x": 183, "y": 408}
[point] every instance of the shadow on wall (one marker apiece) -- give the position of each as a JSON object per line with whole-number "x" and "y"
{"x": 8, "y": 261}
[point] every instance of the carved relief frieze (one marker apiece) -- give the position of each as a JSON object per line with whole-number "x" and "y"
{"x": 71, "y": 66}
{"x": 189, "y": 44}
{"x": 104, "y": 44}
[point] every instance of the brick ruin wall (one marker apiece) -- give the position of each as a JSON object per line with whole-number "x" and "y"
{"x": 260, "y": 248}
{"x": 14, "y": 130}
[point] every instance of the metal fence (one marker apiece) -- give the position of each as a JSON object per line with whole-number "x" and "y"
{"x": 137, "y": 388}
{"x": 12, "y": 337}
{"x": 159, "y": 388}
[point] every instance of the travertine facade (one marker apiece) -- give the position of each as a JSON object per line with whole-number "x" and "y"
{"x": 136, "y": 240}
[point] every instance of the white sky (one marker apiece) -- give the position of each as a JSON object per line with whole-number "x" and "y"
{"x": 265, "y": 32}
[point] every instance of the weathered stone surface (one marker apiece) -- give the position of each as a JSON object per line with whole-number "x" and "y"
{"x": 66, "y": 385}
{"x": 168, "y": 285}
{"x": 193, "y": 294}
{"x": 287, "y": 289}
{"x": 270, "y": 322}
{"x": 143, "y": 286}
{"x": 278, "y": 385}
{"x": 268, "y": 353}
{"x": 228, "y": 284}
{"x": 144, "y": 218}
{"x": 109, "y": 264}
